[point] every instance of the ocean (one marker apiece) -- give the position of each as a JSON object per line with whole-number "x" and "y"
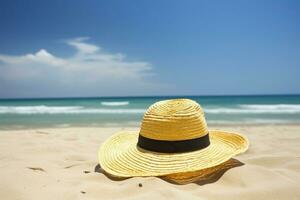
{"x": 128, "y": 111}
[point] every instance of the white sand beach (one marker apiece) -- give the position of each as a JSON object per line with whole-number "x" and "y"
{"x": 61, "y": 163}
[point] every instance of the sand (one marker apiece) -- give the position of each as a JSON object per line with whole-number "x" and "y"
{"x": 60, "y": 164}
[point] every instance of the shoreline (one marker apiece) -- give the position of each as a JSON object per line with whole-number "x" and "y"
{"x": 122, "y": 126}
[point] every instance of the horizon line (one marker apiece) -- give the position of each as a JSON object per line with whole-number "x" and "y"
{"x": 145, "y": 96}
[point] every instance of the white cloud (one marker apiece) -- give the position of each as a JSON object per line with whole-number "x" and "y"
{"x": 92, "y": 70}
{"x": 82, "y": 46}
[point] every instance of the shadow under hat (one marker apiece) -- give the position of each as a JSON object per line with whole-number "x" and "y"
{"x": 200, "y": 177}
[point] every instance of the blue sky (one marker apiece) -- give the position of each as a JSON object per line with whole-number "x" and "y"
{"x": 122, "y": 48}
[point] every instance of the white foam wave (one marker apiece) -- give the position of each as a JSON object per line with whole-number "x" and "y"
{"x": 240, "y": 109}
{"x": 257, "y": 109}
{"x": 64, "y": 110}
{"x": 271, "y": 106}
{"x": 115, "y": 103}
{"x": 254, "y": 121}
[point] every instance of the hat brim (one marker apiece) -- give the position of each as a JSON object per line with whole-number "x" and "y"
{"x": 119, "y": 155}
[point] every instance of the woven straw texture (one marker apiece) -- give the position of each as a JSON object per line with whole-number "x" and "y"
{"x": 171, "y": 120}
{"x": 178, "y": 119}
{"x": 203, "y": 176}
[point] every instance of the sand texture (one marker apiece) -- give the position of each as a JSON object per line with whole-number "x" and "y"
{"x": 62, "y": 164}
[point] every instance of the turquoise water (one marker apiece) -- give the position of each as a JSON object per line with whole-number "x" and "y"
{"x": 128, "y": 111}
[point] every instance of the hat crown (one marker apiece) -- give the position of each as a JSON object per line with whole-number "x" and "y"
{"x": 174, "y": 120}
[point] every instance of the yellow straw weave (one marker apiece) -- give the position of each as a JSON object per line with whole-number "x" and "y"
{"x": 171, "y": 120}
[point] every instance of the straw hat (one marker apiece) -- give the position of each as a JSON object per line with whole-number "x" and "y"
{"x": 173, "y": 138}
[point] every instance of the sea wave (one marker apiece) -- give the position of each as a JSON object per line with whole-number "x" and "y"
{"x": 271, "y": 106}
{"x": 239, "y": 109}
{"x": 254, "y": 121}
{"x": 115, "y": 103}
{"x": 256, "y": 109}
{"x": 42, "y": 109}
